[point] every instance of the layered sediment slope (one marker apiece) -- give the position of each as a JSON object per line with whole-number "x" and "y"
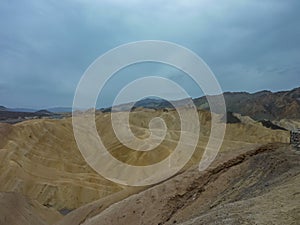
{"x": 18, "y": 209}
{"x": 40, "y": 158}
{"x": 257, "y": 186}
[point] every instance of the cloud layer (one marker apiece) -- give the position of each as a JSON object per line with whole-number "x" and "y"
{"x": 47, "y": 45}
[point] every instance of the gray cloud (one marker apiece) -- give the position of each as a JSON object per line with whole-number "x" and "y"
{"x": 47, "y": 45}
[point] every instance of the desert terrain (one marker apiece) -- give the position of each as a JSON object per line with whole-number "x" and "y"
{"x": 45, "y": 180}
{"x": 157, "y": 112}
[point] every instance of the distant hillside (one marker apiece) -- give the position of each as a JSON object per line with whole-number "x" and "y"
{"x": 60, "y": 109}
{"x": 8, "y": 116}
{"x": 261, "y": 105}
{"x": 53, "y": 109}
{"x": 43, "y": 113}
{"x": 3, "y": 108}
{"x": 147, "y": 103}
{"x": 22, "y": 110}
{"x": 153, "y": 103}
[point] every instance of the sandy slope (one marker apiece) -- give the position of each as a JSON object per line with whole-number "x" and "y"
{"x": 17, "y": 209}
{"x": 259, "y": 186}
{"x": 40, "y": 158}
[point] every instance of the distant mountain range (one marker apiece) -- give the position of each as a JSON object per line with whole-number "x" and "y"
{"x": 53, "y": 109}
{"x": 263, "y": 105}
{"x": 14, "y": 116}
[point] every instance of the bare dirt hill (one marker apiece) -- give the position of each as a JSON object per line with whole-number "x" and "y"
{"x": 40, "y": 158}
{"x": 16, "y": 209}
{"x": 258, "y": 186}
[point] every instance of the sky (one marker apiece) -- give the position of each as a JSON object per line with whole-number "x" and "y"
{"x": 46, "y": 46}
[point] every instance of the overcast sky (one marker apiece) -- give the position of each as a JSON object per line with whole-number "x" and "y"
{"x": 47, "y": 45}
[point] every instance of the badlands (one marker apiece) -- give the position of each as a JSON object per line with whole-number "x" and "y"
{"x": 45, "y": 179}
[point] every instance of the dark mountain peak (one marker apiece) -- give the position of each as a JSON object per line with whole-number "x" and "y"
{"x": 43, "y": 112}
{"x": 262, "y": 105}
{"x": 60, "y": 109}
{"x": 295, "y": 93}
{"x": 236, "y": 93}
{"x": 261, "y": 93}
{"x": 3, "y": 108}
{"x": 296, "y": 89}
{"x": 152, "y": 102}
